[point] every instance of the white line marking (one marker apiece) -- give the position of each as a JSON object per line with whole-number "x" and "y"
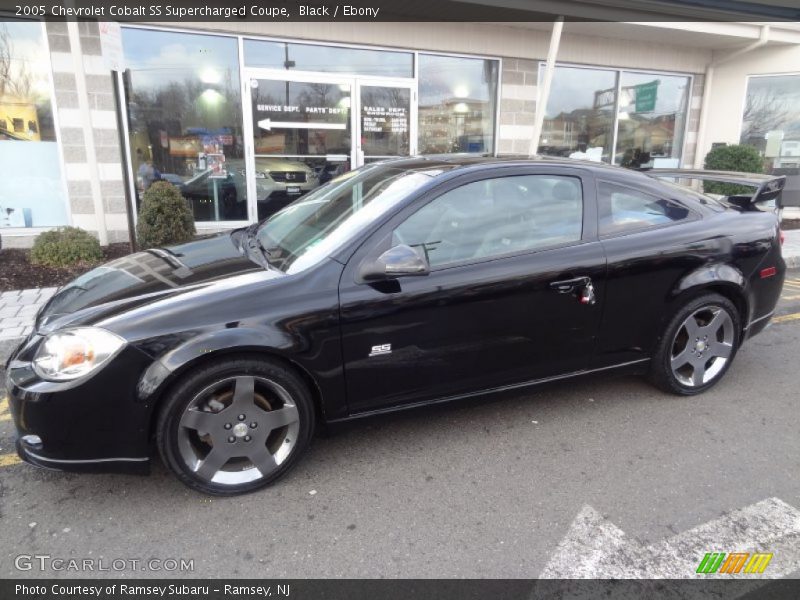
{"x": 269, "y": 124}
{"x": 596, "y": 548}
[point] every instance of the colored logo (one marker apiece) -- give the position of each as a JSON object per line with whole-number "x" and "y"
{"x": 735, "y": 562}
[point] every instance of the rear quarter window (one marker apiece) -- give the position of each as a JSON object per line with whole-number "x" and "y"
{"x": 624, "y": 209}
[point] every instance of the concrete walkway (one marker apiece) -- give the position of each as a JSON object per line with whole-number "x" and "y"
{"x": 791, "y": 248}
{"x": 18, "y": 309}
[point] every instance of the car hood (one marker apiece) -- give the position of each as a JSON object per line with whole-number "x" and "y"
{"x": 144, "y": 277}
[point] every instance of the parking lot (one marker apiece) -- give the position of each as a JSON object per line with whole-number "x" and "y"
{"x": 485, "y": 488}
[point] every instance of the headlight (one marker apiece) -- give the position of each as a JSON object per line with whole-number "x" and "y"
{"x": 73, "y": 353}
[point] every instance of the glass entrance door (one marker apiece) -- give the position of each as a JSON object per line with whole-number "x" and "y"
{"x": 301, "y": 138}
{"x": 306, "y": 130}
{"x": 386, "y": 121}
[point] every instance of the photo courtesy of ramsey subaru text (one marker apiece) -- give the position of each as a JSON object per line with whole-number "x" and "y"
{"x": 400, "y": 284}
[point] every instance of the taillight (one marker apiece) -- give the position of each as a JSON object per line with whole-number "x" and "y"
{"x": 768, "y": 272}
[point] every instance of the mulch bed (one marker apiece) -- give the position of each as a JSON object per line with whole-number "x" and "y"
{"x": 16, "y": 271}
{"x": 787, "y": 224}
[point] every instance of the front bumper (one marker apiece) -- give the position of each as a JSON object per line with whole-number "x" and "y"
{"x": 92, "y": 425}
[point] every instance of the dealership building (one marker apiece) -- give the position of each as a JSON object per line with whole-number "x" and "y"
{"x": 244, "y": 116}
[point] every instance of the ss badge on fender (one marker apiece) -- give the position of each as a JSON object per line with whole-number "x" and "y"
{"x": 381, "y": 349}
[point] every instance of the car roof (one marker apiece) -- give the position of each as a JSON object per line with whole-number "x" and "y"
{"x": 461, "y": 162}
{"x": 445, "y": 166}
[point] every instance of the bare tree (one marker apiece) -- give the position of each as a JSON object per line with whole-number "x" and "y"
{"x": 764, "y": 111}
{"x": 16, "y": 82}
{"x": 5, "y": 58}
{"x": 318, "y": 94}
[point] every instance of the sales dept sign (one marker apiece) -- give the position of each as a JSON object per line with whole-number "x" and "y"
{"x": 646, "y": 94}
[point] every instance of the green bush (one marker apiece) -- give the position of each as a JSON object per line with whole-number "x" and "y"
{"x": 66, "y": 247}
{"x": 732, "y": 158}
{"x": 164, "y": 217}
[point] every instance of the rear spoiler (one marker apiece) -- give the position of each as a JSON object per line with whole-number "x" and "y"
{"x": 768, "y": 187}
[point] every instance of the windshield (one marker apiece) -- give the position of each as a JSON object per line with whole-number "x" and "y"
{"x": 314, "y": 226}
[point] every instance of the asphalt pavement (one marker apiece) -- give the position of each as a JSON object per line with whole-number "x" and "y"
{"x": 484, "y": 488}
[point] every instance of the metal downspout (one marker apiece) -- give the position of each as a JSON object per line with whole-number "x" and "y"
{"x": 544, "y": 94}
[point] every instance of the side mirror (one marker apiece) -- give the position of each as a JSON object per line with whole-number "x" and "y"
{"x": 400, "y": 261}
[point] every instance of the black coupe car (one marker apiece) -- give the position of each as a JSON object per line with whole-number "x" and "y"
{"x": 400, "y": 284}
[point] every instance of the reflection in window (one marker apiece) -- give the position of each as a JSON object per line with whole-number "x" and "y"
{"x": 650, "y": 112}
{"x": 328, "y": 59}
{"x": 301, "y": 134}
{"x": 385, "y": 120}
{"x": 651, "y": 120}
{"x": 33, "y": 197}
{"x": 771, "y": 119}
{"x": 579, "y": 118}
{"x": 457, "y": 99}
{"x": 186, "y": 118}
{"x": 623, "y": 209}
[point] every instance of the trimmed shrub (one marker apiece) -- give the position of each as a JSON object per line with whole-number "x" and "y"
{"x": 66, "y": 247}
{"x": 164, "y": 217}
{"x": 732, "y": 158}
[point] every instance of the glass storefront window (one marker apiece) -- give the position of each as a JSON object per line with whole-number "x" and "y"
{"x": 33, "y": 197}
{"x": 579, "y": 118}
{"x": 185, "y": 118}
{"x": 327, "y": 59}
{"x": 649, "y": 109}
{"x": 771, "y": 119}
{"x": 457, "y": 104}
{"x": 651, "y": 119}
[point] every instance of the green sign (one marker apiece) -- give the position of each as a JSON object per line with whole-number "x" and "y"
{"x": 646, "y": 94}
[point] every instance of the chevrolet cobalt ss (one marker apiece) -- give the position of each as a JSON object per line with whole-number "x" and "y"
{"x": 400, "y": 284}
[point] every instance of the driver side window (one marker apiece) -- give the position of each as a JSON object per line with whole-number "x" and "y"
{"x": 493, "y": 217}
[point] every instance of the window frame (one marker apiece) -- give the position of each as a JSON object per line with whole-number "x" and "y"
{"x": 748, "y": 78}
{"x": 619, "y": 71}
{"x": 380, "y": 239}
{"x": 692, "y": 215}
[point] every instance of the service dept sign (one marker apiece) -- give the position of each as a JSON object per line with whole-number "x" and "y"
{"x": 299, "y": 105}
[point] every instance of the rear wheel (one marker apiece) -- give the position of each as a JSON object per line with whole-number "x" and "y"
{"x": 235, "y": 426}
{"x": 698, "y": 346}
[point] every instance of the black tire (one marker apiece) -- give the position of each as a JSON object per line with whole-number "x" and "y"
{"x": 175, "y": 439}
{"x": 662, "y": 374}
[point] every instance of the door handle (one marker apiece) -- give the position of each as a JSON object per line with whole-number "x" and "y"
{"x": 565, "y": 286}
{"x": 584, "y": 284}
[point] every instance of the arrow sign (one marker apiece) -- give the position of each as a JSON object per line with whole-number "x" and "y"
{"x": 596, "y": 548}
{"x": 268, "y": 124}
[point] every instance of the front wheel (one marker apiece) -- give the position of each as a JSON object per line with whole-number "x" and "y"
{"x": 235, "y": 426}
{"x": 698, "y": 346}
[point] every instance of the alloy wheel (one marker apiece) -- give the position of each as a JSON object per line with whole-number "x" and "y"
{"x": 238, "y": 430}
{"x": 702, "y": 346}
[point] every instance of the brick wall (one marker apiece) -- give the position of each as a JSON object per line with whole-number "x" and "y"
{"x": 695, "y": 101}
{"x": 88, "y": 180}
{"x": 518, "y": 89}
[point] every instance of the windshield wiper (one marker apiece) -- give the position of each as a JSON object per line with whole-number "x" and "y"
{"x": 255, "y": 247}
